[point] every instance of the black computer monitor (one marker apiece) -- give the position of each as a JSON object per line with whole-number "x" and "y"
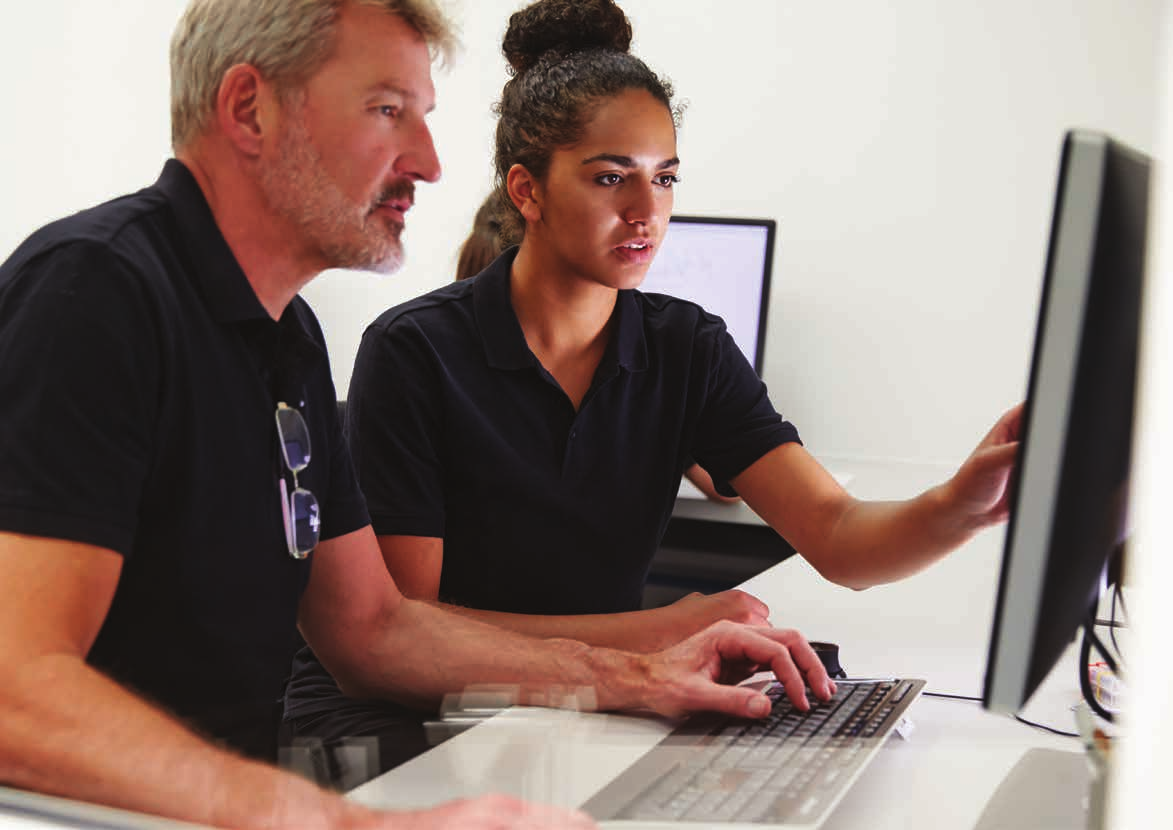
{"x": 724, "y": 266}
{"x": 1070, "y": 490}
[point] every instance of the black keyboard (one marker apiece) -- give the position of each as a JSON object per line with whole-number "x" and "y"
{"x": 789, "y": 768}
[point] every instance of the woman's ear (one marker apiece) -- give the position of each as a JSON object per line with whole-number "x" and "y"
{"x": 524, "y": 191}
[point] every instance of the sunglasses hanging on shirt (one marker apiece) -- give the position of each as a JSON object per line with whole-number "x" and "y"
{"x": 299, "y": 508}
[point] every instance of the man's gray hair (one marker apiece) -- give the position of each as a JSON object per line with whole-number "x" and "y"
{"x": 286, "y": 40}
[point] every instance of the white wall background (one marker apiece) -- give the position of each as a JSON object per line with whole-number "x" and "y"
{"x": 907, "y": 149}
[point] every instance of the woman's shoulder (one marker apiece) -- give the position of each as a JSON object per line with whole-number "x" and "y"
{"x": 437, "y": 307}
{"x": 666, "y": 311}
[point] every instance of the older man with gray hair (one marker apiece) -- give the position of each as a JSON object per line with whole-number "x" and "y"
{"x": 175, "y": 496}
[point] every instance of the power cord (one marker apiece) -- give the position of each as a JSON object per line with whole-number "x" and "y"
{"x": 1017, "y": 717}
{"x": 1089, "y": 641}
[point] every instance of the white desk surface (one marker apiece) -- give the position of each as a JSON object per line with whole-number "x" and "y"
{"x": 935, "y": 625}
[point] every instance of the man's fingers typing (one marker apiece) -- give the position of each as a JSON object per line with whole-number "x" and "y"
{"x": 809, "y": 666}
{"x": 788, "y": 655}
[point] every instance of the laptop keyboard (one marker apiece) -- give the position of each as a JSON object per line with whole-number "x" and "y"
{"x": 790, "y": 767}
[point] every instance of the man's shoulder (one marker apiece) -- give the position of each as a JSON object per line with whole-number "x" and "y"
{"x": 120, "y": 229}
{"x": 110, "y": 225}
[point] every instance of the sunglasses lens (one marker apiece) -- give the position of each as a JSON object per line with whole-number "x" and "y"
{"x": 295, "y": 438}
{"x": 306, "y": 523}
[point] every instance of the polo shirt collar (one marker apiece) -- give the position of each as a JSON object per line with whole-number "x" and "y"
{"x": 504, "y": 341}
{"x": 214, "y": 271}
{"x": 629, "y": 341}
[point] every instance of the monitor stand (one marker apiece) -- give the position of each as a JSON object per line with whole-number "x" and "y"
{"x": 1048, "y": 789}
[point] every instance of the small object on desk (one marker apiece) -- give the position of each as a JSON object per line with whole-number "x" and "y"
{"x": 829, "y": 655}
{"x": 1106, "y": 686}
{"x": 904, "y": 728}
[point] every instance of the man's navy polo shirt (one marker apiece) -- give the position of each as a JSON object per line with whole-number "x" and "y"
{"x": 458, "y": 432}
{"x": 139, "y": 375}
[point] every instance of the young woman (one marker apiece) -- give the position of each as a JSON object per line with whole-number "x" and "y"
{"x": 520, "y": 436}
{"x": 484, "y": 244}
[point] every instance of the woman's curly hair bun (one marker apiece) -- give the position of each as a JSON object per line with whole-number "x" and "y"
{"x": 562, "y": 27}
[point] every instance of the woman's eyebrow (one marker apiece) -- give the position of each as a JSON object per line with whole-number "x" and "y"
{"x": 628, "y": 161}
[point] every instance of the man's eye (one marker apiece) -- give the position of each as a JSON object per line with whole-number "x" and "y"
{"x": 389, "y": 110}
{"x": 609, "y": 179}
{"x": 668, "y": 179}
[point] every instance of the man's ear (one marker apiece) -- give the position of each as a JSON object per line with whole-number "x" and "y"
{"x": 246, "y": 108}
{"x": 524, "y": 191}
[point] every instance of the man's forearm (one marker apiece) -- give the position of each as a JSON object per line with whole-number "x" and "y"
{"x": 450, "y": 651}
{"x": 67, "y": 730}
{"x": 644, "y": 631}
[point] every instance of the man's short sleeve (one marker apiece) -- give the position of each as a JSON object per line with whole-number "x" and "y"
{"x": 80, "y": 349}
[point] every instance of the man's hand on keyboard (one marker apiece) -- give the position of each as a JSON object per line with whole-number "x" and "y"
{"x": 700, "y": 673}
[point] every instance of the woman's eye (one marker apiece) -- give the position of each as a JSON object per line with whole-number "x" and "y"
{"x": 389, "y": 110}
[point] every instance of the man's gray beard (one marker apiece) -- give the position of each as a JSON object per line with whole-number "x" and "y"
{"x": 391, "y": 262}
{"x": 329, "y": 222}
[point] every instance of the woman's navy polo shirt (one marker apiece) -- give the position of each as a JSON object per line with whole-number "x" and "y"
{"x": 139, "y": 375}
{"x": 458, "y": 432}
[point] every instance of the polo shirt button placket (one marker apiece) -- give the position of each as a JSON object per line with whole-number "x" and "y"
{"x": 571, "y": 457}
